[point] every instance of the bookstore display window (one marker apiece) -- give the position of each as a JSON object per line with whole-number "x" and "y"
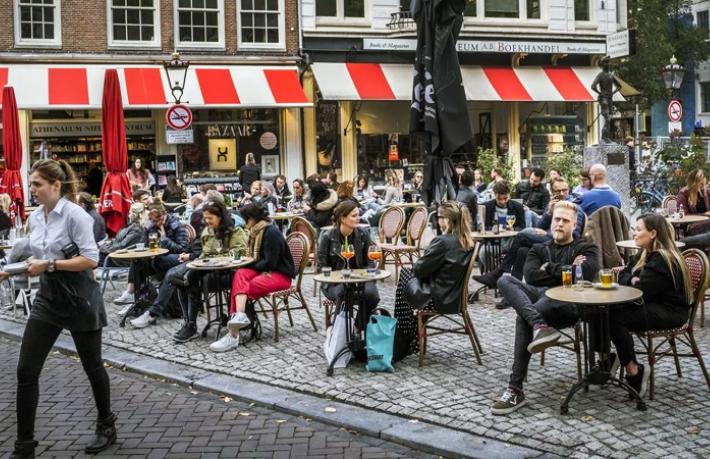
{"x": 384, "y": 142}
{"x": 550, "y": 128}
{"x": 328, "y": 136}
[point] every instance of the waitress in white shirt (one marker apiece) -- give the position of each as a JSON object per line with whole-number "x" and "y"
{"x": 64, "y": 254}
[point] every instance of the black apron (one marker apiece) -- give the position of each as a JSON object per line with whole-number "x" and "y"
{"x": 70, "y": 300}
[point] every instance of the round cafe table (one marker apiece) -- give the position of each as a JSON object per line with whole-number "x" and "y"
{"x": 138, "y": 259}
{"x": 354, "y": 286}
{"x": 594, "y": 305}
{"x": 406, "y": 205}
{"x": 284, "y": 215}
{"x": 493, "y": 243}
{"x": 215, "y": 265}
{"x": 681, "y": 224}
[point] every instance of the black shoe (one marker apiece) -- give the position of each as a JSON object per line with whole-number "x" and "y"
{"x": 489, "y": 279}
{"x": 188, "y": 332}
{"x": 510, "y": 401}
{"x": 24, "y": 450}
{"x": 501, "y": 303}
{"x": 105, "y": 435}
{"x": 639, "y": 381}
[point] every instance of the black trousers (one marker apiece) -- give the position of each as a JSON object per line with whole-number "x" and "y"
{"x": 191, "y": 296}
{"x": 37, "y": 341}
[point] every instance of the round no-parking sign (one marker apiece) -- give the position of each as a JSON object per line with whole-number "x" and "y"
{"x": 675, "y": 111}
{"x": 179, "y": 117}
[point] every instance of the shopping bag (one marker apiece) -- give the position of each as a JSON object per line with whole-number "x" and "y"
{"x": 335, "y": 340}
{"x": 380, "y": 341}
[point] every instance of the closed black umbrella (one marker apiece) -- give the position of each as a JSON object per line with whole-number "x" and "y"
{"x": 438, "y": 100}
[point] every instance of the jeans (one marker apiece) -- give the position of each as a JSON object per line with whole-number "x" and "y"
{"x": 163, "y": 263}
{"x": 37, "y": 341}
{"x": 531, "y": 219}
{"x": 533, "y": 308}
{"x": 523, "y": 240}
{"x": 191, "y": 297}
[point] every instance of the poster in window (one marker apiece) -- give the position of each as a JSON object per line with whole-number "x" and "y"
{"x": 223, "y": 154}
{"x": 270, "y": 164}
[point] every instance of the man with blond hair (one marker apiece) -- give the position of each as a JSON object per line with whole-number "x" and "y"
{"x": 538, "y": 316}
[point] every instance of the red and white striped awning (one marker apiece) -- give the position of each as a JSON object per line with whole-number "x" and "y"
{"x": 64, "y": 86}
{"x": 363, "y": 81}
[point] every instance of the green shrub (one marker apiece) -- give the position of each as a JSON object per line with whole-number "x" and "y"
{"x": 569, "y": 163}
{"x": 488, "y": 159}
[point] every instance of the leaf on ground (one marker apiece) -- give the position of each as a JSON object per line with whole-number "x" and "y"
{"x": 193, "y": 392}
{"x": 587, "y": 418}
{"x": 414, "y": 421}
{"x": 693, "y": 430}
{"x": 244, "y": 413}
{"x": 330, "y": 409}
{"x": 227, "y": 399}
{"x": 279, "y": 421}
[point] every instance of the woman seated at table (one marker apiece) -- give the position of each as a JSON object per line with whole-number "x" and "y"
{"x": 128, "y": 236}
{"x": 218, "y": 238}
{"x": 281, "y": 191}
{"x": 254, "y": 194}
{"x": 660, "y": 272}
{"x": 393, "y": 190}
{"x": 271, "y": 271}
{"x": 268, "y": 198}
{"x": 438, "y": 276}
{"x": 171, "y": 236}
{"x": 346, "y": 192}
{"x": 345, "y": 227}
{"x": 695, "y": 199}
{"x": 320, "y": 204}
{"x": 299, "y": 193}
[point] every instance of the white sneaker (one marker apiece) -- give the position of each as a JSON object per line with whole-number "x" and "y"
{"x": 144, "y": 320}
{"x": 124, "y": 310}
{"x": 225, "y": 343}
{"x": 125, "y": 298}
{"x": 238, "y": 321}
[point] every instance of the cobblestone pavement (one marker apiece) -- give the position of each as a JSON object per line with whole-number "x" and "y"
{"x": 159, "y": 420}
{"x": 453, "y": 391}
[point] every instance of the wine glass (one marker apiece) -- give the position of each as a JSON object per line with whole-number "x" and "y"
{"x": 374, "y": 253}
{"x": 347, "y": 252}
{"x": 218, "y": 246}
{"x": 510, "y": 220}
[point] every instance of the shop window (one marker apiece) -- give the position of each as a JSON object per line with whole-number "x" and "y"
{"x": 702, "y": 21}
{"x": 38, "y": 22}
{"x": 502, "y": 9}
{"x": 200, "y": 23}
{"x": 470, "y": 9}
{"x": 261, "y": 23}
{"x": 705, "y": 96}
{"x": 328, "y": 136}
{"x": 133, "y": 23}
{"x": 341, "y": 9}
{"x": 581, "y": 10}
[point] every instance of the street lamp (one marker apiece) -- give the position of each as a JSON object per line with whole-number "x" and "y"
{"x": 176, "y": 72}
{"x": 673, "y": 76}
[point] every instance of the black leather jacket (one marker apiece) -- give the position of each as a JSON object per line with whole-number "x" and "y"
{"x": 329, "y": 248}
{"x": 443, "y": 268}
{"x": 468, "y": 197}
{"x": 536, "y": 198}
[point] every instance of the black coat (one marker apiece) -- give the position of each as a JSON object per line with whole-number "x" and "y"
{"x": 536, "y": 198}
{"x": 514, "y": 208}
{"x": 274, "y": 254}
{"x": 329, "y": 248}
{"x": 468, "y": 197}
{"x": 442, "y": 268}
{"x": 656, "y": 282}
{"x": 247, "y": 174}
{"x": 555, "y": 258}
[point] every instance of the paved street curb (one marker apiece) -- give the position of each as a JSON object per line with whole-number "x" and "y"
{"x": 419, "y": 435}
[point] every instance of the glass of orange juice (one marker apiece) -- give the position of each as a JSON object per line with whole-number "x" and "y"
{"x": 374, "y": 254}
{"x": 347, "y": 252}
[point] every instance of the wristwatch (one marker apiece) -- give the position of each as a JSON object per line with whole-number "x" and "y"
{"x": 52, "y": 265}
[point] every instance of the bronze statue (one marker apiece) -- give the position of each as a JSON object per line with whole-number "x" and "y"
{"x": 605, "y": 85}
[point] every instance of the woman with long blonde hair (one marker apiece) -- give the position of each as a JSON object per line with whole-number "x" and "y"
{"x": 661, "y": 273}
{"x": 393, "y": 189}
{"x": 695, "y": 199}
{"x": 439, "y": 275}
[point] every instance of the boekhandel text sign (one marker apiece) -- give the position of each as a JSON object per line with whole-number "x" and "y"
{"x": 493, "y": 46}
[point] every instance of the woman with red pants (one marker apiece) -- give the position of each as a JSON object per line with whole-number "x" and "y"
{"x": 271, "y": 271}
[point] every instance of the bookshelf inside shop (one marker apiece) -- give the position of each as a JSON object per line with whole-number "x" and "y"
{"x": 552, "y": 134}
{"x": 79, "y": 152}
{"x": 166, "y": 165}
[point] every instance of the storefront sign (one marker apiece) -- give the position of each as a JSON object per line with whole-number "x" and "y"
{"x": 223, "y": 154}
{"x": 85, "y": 128}
{"x": 229, "y": 130}
{"x": 179, "y": 137}
{"x": 179, "y": 116}
{"x": 620, "y": 44}
{"x": 492, "y": 46}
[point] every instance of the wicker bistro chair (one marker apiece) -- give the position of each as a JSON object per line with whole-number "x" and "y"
{"x": 425, "y": 318}
{"x": 389, "y": 228}
{"x": 670, "y": 203}
{"x": 698, "y": 266}
{"x": 279, "y": 301}
{"x": 415, "y": 230}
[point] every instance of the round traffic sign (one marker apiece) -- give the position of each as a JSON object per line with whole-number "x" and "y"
{"x": 675, "y": 110}
{"x": 179, "y": 117}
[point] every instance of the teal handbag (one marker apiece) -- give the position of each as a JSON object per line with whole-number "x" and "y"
{"x": 380, "y": 341}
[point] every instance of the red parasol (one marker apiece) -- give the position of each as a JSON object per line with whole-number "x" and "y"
{"x": 115, "y": 198}
{"x": 11, "y": 182}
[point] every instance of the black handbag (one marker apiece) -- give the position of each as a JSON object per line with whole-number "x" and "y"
{"x": 177, "y": 275}
{"x": 417, "y": 293}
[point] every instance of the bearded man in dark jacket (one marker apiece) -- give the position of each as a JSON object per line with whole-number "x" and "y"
{"x": 539, "y": 316}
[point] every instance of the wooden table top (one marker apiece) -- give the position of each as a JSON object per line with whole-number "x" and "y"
{"x": 357, "y": 276}
{"x": 214, "y": 263}
{"x": 688, "y": 219}
{"x": 591, "y": 295}
{"x": 284, "y": 215}
{"x": 137, "y": 254}
{"x": 630, "y": 244}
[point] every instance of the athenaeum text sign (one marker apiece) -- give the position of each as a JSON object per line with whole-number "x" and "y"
{"x": 44, "y": 129}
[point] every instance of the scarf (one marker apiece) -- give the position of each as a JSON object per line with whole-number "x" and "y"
{"x": 256, "y": 235}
